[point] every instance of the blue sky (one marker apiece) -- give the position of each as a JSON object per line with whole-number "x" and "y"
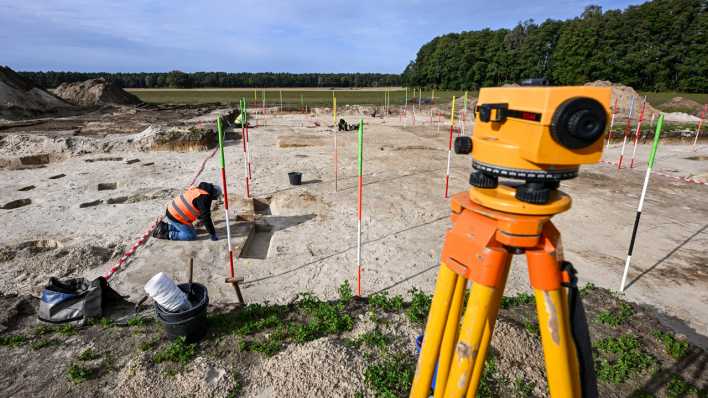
{"x": 248, "y": 36}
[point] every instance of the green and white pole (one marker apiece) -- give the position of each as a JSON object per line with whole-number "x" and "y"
{"x": 244, "y": 140}
{"x": 652, "y": 157}
{"x": 360, "y": 161}
{"x": 222, "y": 163}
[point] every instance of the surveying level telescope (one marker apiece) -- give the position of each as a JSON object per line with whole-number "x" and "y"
{"x": 536, "y": 134}
{"x": 540, "y": 136}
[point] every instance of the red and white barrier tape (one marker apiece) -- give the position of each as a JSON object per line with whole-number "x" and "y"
{"x": 679, "y": 178}
{"x": 146, "y": 235}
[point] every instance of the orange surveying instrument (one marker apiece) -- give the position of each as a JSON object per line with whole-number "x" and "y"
{"x": 526, "y": 141}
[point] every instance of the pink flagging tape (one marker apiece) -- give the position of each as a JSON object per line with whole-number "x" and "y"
{"x": 678, "y": 178}
{"x": 146, "y": 235}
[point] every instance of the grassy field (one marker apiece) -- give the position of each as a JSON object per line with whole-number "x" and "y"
{"x": 657, "y": 99}
{"x": 296, "y": 98}
{"x": 292, "y": 98}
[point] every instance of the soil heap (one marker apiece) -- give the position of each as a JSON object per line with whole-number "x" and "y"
{"x": 95, "y": 92}
{"x": 20, "y": 98}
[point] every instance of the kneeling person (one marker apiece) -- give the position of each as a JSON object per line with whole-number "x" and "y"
{"x": 193, "y": 204}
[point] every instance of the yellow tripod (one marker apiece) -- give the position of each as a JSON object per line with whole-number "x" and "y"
{"x": 489, "y": 226}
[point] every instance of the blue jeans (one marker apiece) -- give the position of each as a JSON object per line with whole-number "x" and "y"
{"x": 179, "y": 231}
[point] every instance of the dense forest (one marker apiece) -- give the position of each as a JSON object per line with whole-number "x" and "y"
{"x": 177, "y": 79}
{"x": 659, "y": 45}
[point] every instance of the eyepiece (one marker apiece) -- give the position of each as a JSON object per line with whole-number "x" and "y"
{"x": 578, "y": 122}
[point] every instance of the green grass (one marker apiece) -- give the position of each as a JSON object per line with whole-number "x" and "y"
{"x": 391, "y": 376}
{"x": 381, "y": 301}
{"x": 291, "y": 97}
{"x": 676, "y": 348}
{"x": 178, "y": 351}
{"x": 345, "y": 292}
{"x": 523, "y": 388}
{"x": 417, "y": 312}
{"x": 515, "y": 301}
{"x": 41, "y": 343}
{"x": 67, "y": 330}
{"x": 616, "y": 316}
{"x": 79, "y": 374}
{"x": 488, "y": 381}
{"x": 88, "y": 355}
{"x": 679, "y": 388}
{"x": 660, "y": 98}
{"x": 13, "y": 340}
{"x": 621, "y": 358}
{"x": 374, "y": 339}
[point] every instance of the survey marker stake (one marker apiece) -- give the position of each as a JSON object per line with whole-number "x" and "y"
{"x": 245, "y": 152}
{"x": 700, "y": 125}
{"x": 627, "y": 132}
{"x": 638, "y": 133}
{"x": 334, "y": 123}
{"x": 650, "y": 165}
{"x": 449, "y": 147}
{"x": 360, "y": 161}
{"x": 232, "y": 273}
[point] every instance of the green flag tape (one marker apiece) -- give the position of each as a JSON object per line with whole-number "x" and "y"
{"x": 360, "y": 157}
{"x": 220, "y": 133}
{"x": 655, "y": 144}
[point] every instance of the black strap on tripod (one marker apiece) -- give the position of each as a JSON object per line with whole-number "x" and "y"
{"x": 581, "y": 334}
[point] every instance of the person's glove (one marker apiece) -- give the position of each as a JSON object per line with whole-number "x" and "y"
{"x": 214, "y": 237}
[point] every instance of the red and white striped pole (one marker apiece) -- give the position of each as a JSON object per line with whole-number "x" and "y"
{"x": 626, "y": 133}
{"x": 244, "y": 133}
{"x": 700, "y": 125}
{"x": 449, "y": 148}
{"x": 639, "y": 131}
{"x": 612, "y": 123}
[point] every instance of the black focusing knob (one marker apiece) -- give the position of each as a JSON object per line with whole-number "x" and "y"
{"x": 463, "y": 145}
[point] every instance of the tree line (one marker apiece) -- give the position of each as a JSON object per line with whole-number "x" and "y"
{"x": 659, "y": 45}
{"x": 178, "y": 79}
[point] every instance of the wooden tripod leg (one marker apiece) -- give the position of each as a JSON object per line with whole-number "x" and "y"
{"x": 562, "y": 367}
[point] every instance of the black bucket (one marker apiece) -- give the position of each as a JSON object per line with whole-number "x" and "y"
{"x": 190, "y": 324}
{"x": 295, "y": 178}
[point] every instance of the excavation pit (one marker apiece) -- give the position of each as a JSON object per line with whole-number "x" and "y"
{"x": 107, "y": 186}
{"x": 27, "y": 188}
{"x": 90, "y": 204}
{"x": 16, "y": 203}
{"x": 58, "y": 176}
{"x": 258, "y": 242}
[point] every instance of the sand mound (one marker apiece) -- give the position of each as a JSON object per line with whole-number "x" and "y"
{"x": 95, "y": 92}
{"x": 321, "y": 368}
{"x": 160, "y": 138}
{"x": 141, "y": 378}
{"x": 681, "y": 104}
{"x": 28, "y": 265}
{"x": 623, "y": 95}
{"x": 20, "y": 98}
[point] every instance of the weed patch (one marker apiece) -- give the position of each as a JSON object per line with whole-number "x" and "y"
{"x": 417, "y": 312}
{"x": 515, "y": 301}
{"x": 79, "y": 374}
{"x": 13, "y": 340}
{"x": 676, "y": 348}
{"x": 622, "y": 358}
{"x": 41, "y": 343}
{"x": 178, "y": 351}
{"x": 88, "y": 355}
{"x": 392, "y": 376}
{"x": 615, "y": 317}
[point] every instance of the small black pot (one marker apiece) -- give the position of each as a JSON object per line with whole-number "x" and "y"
{"x": 295, "y": 178}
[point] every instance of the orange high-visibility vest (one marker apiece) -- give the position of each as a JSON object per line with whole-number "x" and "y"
{"x": 181, "y": 207}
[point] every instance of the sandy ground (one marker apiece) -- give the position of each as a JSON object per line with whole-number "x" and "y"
{"x": 307, "y": 236}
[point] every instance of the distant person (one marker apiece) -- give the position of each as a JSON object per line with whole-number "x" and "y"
{"x": 194, "y": 204}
